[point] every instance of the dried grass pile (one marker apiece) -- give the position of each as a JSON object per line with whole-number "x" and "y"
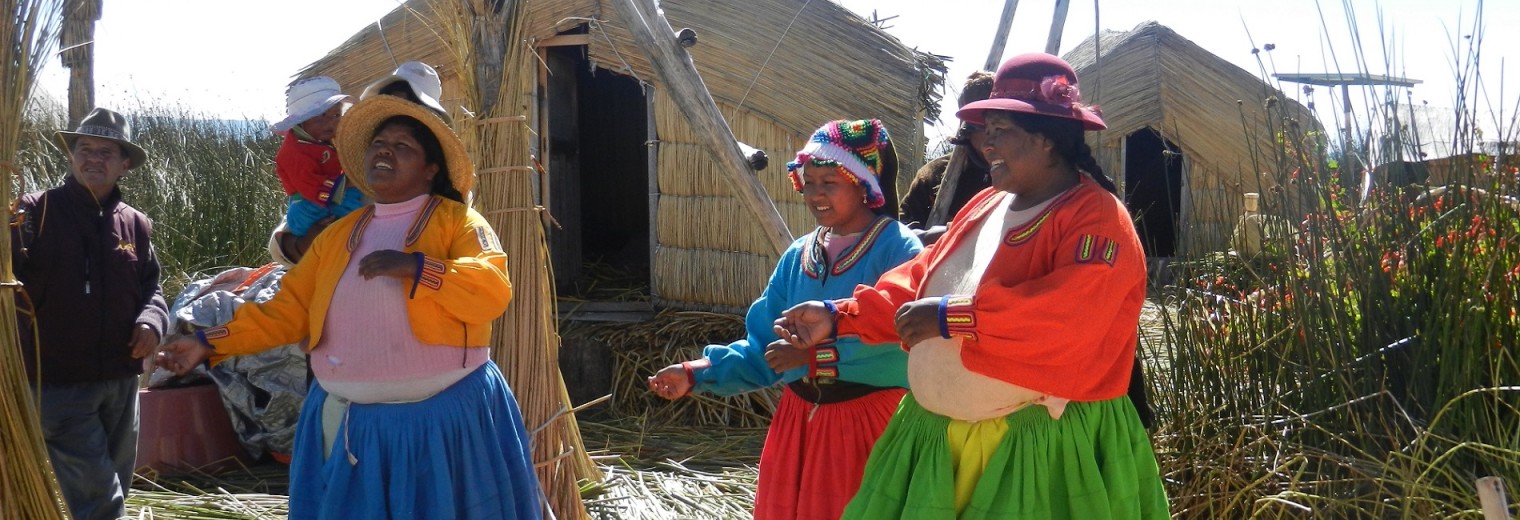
{"x": 658, "y": 472}
{"x": 641, "y": 349}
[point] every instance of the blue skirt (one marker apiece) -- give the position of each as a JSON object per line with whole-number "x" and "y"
{"x": 460, "y": 454}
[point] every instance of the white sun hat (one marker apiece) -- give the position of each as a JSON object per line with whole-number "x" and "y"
{"x": 308, "y": 98}
{"x": 420, "y": 77}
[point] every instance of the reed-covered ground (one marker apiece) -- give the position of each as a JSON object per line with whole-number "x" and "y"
{"x": 1363, "y": 365}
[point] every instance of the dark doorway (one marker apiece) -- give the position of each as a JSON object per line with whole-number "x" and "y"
{"x": 599, "y": 174}
{"x": 1153, "y": 190}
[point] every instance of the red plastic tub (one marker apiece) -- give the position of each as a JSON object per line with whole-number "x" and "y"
{"x": 185, "y": 428}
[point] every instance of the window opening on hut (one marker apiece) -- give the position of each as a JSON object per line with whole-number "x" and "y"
{"x": 1153, "y": 189}
{"x": 597, "y": 127}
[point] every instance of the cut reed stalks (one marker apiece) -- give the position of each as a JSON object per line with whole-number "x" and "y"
{"x": 641, "y": 349}
{"x": 662, "y": 471}
{"x": 495, "y": 72}
{"x": 28, "y": 488}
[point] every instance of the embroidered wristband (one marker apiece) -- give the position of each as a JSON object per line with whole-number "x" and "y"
{"x": 691, "y": 377}
{"x": 417, "y": 276}
{"x": 944, "y": 324}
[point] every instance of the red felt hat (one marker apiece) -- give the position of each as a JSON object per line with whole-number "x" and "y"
{"x": 1035, "y": 83}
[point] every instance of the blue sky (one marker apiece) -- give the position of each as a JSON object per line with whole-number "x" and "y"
{"x": 233, "y": 59}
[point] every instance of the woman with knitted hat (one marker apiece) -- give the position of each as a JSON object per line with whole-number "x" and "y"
{"x": 837, "y": 396}
{"x": 1021, "y": 329}
{"x": 408, "y": 417}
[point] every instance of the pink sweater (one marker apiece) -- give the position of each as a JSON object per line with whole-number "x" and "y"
{"x": 369, "y": 353}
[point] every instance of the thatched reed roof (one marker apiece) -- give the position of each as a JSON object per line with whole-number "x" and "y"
{"x": 777, "y": 69}
{"x": 830, "y": 64}
{"x": 1213, "y": 110}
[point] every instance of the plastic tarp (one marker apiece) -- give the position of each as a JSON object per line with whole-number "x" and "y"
{"x": 262, "y": 392}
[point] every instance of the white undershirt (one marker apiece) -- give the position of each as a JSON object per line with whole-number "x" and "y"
{"x": 940, "y": 380}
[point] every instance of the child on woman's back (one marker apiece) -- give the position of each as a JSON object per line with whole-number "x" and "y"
{"x": 307, "y": 162}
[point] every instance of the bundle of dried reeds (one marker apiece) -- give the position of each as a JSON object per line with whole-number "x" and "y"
{"x": 28, "y": 31}
{"x": 495, "y": 69}
{"x": 641, "y": 349}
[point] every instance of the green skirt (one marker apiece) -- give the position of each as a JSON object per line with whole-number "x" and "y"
{"x": 1095, "y": 463}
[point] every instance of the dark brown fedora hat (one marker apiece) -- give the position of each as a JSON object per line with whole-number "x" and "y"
{"x": 106, "y": 124}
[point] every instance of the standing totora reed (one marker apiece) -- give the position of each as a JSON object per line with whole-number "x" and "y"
{"x": 484, "y": 37}
{"x": 27, "y": 486}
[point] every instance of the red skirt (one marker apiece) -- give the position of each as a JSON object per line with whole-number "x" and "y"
{"x": 813, "y": 460}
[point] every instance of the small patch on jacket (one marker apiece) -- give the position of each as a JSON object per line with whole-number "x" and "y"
{"x": 487, "y": 238}
{"x": 1094, "y": 248}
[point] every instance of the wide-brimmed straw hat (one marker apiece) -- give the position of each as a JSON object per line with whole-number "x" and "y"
{"x": 308, "y": 98}
{"x": 358, "y": 127}
{"x": 422, "y": 79}
{"x": 106, "y": 124}
{"x": 1035, "y": 83}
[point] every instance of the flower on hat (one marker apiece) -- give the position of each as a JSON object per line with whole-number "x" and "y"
{"x": 1036, "y": 83}
{"x": 855, "y": 147}
{"x": 1054, "y": 90}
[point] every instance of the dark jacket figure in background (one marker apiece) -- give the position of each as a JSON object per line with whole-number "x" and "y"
{"x": 918, "y": 202}
{"x": 91, "y": 280}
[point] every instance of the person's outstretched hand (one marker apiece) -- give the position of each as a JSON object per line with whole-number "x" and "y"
{"x": 181, "y": 353}
{"x": 670, "y": 382}
{"x": 806, "y": 324}
{"x": 388, "y": 262}
{"x": 918, "y": 320}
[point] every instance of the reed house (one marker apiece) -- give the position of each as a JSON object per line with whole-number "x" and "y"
{"x": 1186, "y": 133}
{"x": 627, "y": 186}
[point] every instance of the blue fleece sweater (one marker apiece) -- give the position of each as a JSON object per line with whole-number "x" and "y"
{"x": 740, "y": 366}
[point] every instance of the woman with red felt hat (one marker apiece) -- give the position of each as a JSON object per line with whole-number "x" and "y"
{"x": 1020, "y": 327}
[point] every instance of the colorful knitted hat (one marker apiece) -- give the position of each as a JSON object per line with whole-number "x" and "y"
{"x": 854, "y": 146}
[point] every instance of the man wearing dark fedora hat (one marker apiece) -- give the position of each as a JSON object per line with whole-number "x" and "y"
{"x": 90, "y": 274}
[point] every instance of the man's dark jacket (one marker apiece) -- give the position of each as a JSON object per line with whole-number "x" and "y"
{"x": 90, "y": 275}
{"x": 919, "y": 201}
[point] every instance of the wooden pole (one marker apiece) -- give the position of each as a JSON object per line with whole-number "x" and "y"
{"x": 945, "y": 196}
{"x": 77, "y": 53}
{"x": 1057, "y": 24}
{"x": 1000, "y": 41}
{"x": 939, "y": 214}
{"x": 684, "y": 85}
{"x": 1491, "y": 495}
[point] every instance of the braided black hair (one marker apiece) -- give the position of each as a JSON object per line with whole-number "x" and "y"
{"x": 1066, "y": 135}
{"x": 1070, "y": 144}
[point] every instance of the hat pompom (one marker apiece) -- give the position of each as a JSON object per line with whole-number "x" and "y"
{"x": 855, "y": 147}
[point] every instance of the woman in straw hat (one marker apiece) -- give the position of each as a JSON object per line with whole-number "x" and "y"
{"x": 408, "y": 417}
{"x": 1021, "y": 325}
{"x": 838, "y": 397}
